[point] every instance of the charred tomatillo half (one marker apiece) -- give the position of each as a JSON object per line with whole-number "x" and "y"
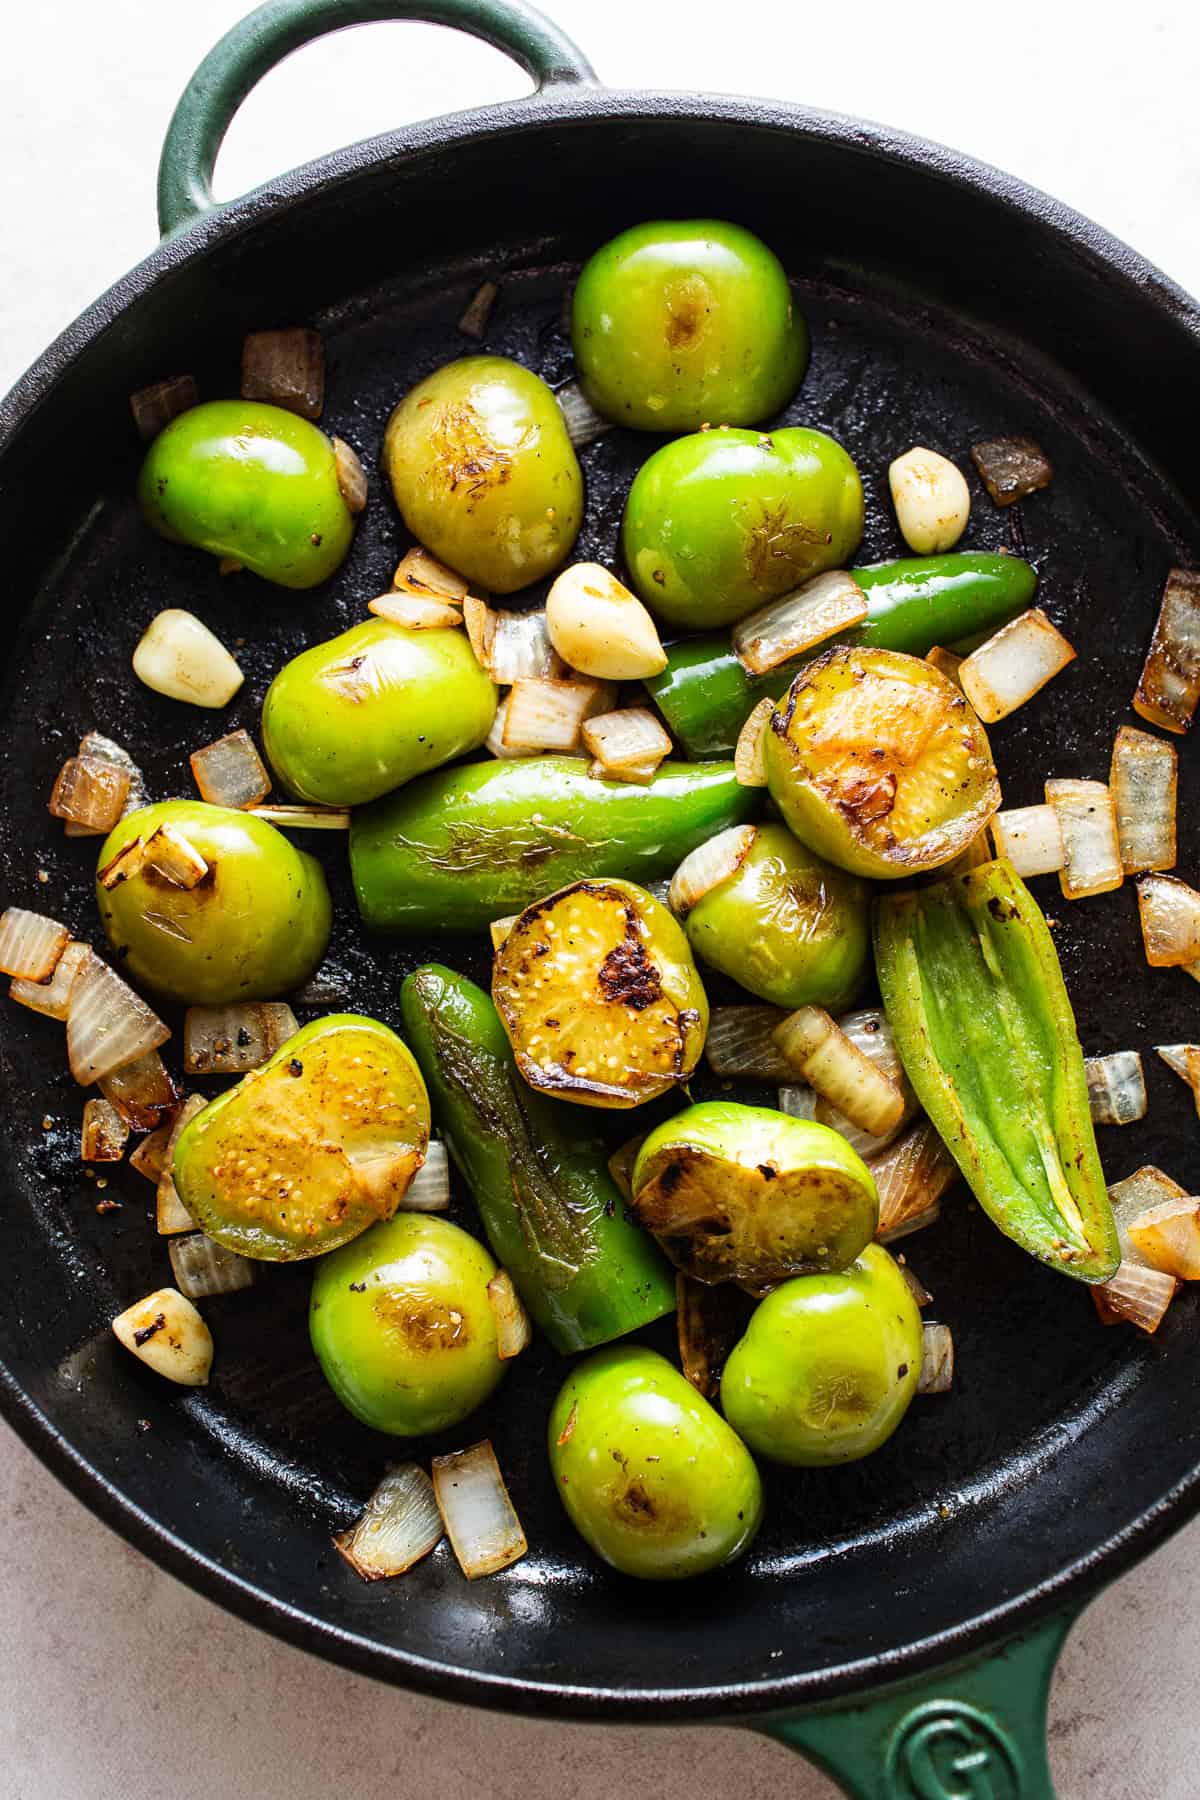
{"x": 402, "y": 1325}
{"x": 252, "y": 482}
{"x": 351, "y": 719}
{"x": 306, "y": 1152}
{"x": 484, "y": 473}
{"x": 828, "y": 1365}
{"x": 787, "y": 925}
{"x": 684, "y": 321}
{"x": 253, "y": 928}
{"x": 719, "y": 523}
{"x": 599, "y": 995}
{"x": 651, "y": 1476}
{"x": 744, "y": 1193}
{"x": 878, "y": 763}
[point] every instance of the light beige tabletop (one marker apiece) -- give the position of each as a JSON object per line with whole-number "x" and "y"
{"x": 115, "y": 1682}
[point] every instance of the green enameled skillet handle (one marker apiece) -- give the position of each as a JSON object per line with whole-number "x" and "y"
{"x": 254, "y": 46}
{"x": 974, "y": 1730}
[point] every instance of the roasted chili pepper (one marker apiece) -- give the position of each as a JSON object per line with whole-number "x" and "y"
{"x": 975, "y": 995}
{"x": 706, "y": 696}
{"x": 553, "y": 1215}
{"x": 457, "y": 849}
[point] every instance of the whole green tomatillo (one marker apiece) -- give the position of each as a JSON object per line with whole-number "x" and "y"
{"x": 722, "y": 522}
{"x": 251, "y": 482}
{"x": 353, "y": 718}
{"x": 484, "y": 473}
{"x": 651, "y": 1476}
{"x": 403, "y": 1327}
{"x": 828, "y": 1365}
{"x": 680, "y": 322}
{"x": 253, "y": 928}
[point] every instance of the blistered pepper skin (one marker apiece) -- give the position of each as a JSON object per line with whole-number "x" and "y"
{"x": 974, "y": 992}
{"x": 351, "y": 719}
{"x": 253, "y": 483}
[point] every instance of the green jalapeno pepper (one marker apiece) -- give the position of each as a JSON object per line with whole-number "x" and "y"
{"x": 553, "y": 1215}
{"x": 457, "y": 849}
{"x": 706, "y": 696}
{"x": 975, "y": 995}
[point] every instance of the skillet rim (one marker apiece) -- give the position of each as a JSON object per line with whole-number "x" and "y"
{"x": 1070, "y": 1586}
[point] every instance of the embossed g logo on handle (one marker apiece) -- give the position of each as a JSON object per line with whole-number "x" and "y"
{"x": 947, "y": 1750}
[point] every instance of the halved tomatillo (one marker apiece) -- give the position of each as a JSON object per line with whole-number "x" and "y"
{"x": 876, "y": 761}
{"x": 742, "y": 1193}
{"x": 599, "y": 995}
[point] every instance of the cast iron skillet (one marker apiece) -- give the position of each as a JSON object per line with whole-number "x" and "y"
{"x": 946, "y": 302}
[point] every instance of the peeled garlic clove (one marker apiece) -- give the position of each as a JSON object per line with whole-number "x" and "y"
{"x": 178, "y": 656}
{"x": 931, "y": 499}
{"x": 598, "y": 627}
{"x": 169, "y": 1335}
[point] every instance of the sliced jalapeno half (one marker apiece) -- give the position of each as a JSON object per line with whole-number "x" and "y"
{"x": 878, "y": 763}
{"x": 599, "y": 996}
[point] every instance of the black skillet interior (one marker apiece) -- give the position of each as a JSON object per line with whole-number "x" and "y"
{"x": 938, "y": 316}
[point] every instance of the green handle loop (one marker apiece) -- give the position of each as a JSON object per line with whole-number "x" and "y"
{"x": 972, "y": 1731}
{"x": 264, "y": 37}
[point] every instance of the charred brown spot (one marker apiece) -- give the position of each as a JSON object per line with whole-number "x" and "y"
{"x": 767, "y": 1171}
{"x": 628, "y": 977}
{"x": 636, "y": 1506}
{"x": 424, "y": 1325}
{"x": 146, "y": 1332}
{"x": 466, "y": 455}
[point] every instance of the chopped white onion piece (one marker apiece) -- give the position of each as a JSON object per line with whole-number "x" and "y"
{"x": 202, "y": 1268}
{"x": 480, "y": 622}
{"x": 869, "y": 1030}
{"x": 548, "y": 715}
{"x": 108, "y": 1025}
{"x": 598, "y": 627}
{"x": 1088, "y": 822}
{"x": 1014, "y": 665}
{"x": 1144, "y": 779}
{"x": 94, "y": 743}
{"x": 481, "y": 1523}
{"x": 1136, "y": 1294}
{"x": 399, "y": 1525}
{"x": 521, "y": 649}
{"x": 150, "y": 1156}
{"x": 419, "y": 573}
{"x": 172, "y": 1215}
{"x": 90, "y": 791}
{"x": 169, "y": 1336}
{"x": 634, "y": 774}
{"x": 175, "y": 858}
{"x": 104, "y": 1132}
{"x": 351, "y": 476}
{"x": 416, "y": 612}
{"x": 620, "y": 1165}
{"x": 749, "y": 754}
{"x": 584, "y": 423}
{"x": 1168, "y": 1237}
{"x": 305, "y": 818}
{"x": 229, "y": 1040}
{"x": 474, "y": 321}
{"x": 827, "y": 604}
{"x": 285, "y": 368}
{"x": 946, "y": 662}
{"x": 1169, "y": 688}
{"x": 230, "y": 772}
{"x": 931, "y": 498}
{"x": 1178, "y": 1058}
{"x": 631, "y": 738}
{"x": 429, "y": 1189}
{"x": 1145, "y": 1188}
{"x": 500, "y": 929}
{"x": 798, "y": 1102}
{"x": 494, "y": 741}
{"x": 1011, "y": 468}
{"x": 1030, "y": 838}
{"x": 31, "y": 945}
{"x": 178, "y": 656}
{"x": 127, "y": 863}
{"x": 514, "y": 1333}
{"x": 155, "y": 406}
{"x": 741, "y": 1042}
{"x": 53, "y": 998}
{"x": 839, "y": 1071}
{"x": 1170, "y": 916}
{"x": 142, "y": 1091}
{"x": 911, "y": 1176}
{"x": 937, "y": 1360}
{"x": 913, "y": 1282}
{"x": 1116, "y": 1088}
{"x": 705, "y": 867}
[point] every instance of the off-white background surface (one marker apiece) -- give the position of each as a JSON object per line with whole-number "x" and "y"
{"x": 116, "y": 1682}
